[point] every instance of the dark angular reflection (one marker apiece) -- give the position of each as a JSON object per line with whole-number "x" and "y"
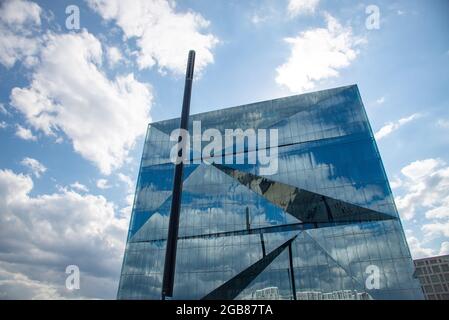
{"x": 308, "y": 207}
{"x": 231, "y": 289}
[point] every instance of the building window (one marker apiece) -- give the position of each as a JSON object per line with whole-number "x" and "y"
{"x": 436, "y": 269}
{"x": 438, "y": 288}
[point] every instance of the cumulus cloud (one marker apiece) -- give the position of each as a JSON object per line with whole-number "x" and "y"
{"x": 129, "y": 198}
{"x": 425, "y": 186}
{"x": 419, "y": 169}
{"x": 19, "y": 12}
{"x": 162, "y": 33}
{"x": 127, "y": 209}
{"x": 25, "y": 134}
{"x": 17, "y": 19}
{"x": 416, "y": 247}
{"x": 126, "y": 180}
{"x": 298, "y": 7}
{"x": 70, "y": 94}
{"x": 114, "y": 56}
{"x": 35, "y": 166}
{"x": 439, "y": 212}
{"x": 317, "y": 54}
{"x": 14, "y": 47}
{"x": 444, "y": 248}
{"x": 15, "y": 285}
{"x": 103, "y": 184}
{"x": 41, "y": 235}
{"x": 419, "y": 250}
{"x": 79, "y": 186}
{"x": 390, "y": 127}
{"x": 436, "y": 229}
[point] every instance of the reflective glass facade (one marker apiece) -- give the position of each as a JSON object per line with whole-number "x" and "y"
{"x": 312, "y": 230}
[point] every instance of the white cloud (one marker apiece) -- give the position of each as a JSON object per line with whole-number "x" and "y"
{"x": 439, "y": 212}
{"x": 129, "y": 199}
{"x": 41, "y": 235}
{"x": 103, "y": 184}
{"x": 425, "y": 186}
{"x": 69, "y": 93}
{"x": 420, "y": 169}
{"x": 444, "y": 248}
{"x": 163, "y": 35}
{"x": 317, "y": 54}
{"x": 19, "y": 12}
{"x": 3, "y": 125}
{"x": 381, "y": 100}
{"x": 387, "y": 129}
{"x": 35, "y": 166}
{"x": 395, "y": 183}
{"x": 298, "y": 7}
{"x": 3, "y": 109}
{"x": 436, "y": 229}
{"x": 126, "y": 180}
{"x": 126, "y": 210}
{"x": 17, "y": 19}
{"x": 17, "y": 286}
{"x": 79, "y": 186}
{"x": 25, "y": 133}
{"x": 417, "y": 250}
{"x": 257, "y": 19}
{"x": 443, "y": 123}
{"x": 114, "y": 56}
{"x": 14, "y": 48}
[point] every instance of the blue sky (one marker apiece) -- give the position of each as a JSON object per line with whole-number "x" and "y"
{"x": 75, "y": 104}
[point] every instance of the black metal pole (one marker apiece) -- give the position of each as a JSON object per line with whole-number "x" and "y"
{"x": 262, "y": 242}
{"x": 173, "y": 226}
{"x": 292, "y": 272}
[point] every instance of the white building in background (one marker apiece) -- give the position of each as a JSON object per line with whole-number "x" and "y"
{"x": 335, "y": 295}
{"x": 272, "y": 293}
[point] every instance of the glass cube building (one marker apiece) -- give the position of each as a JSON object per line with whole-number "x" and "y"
{"x": 324, "y": 226}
